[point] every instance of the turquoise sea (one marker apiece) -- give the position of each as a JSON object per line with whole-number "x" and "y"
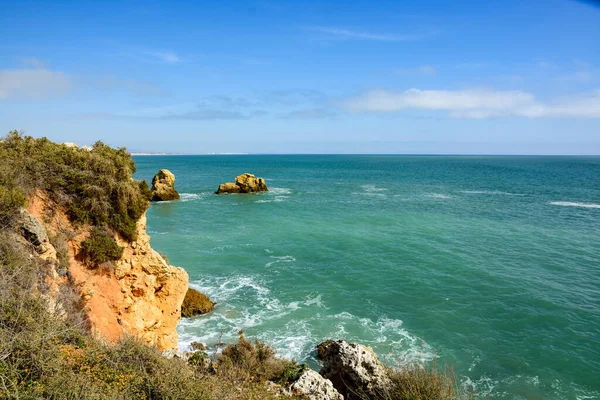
{"x": 491, "y": 264}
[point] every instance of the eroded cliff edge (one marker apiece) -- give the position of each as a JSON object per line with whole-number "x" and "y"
{"x": 141, "y": 295}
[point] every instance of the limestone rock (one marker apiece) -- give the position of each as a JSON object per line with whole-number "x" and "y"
{"x": 163, "y": 186}
{"x": 353, "y": 369}
{"x": 245, "y": 183}
{"x": 141, "y": 298}
{"x": 314, "y": 387}
{"x": 35, "y": 233}
{"x": 196, "y": 303}
{"x": 228, "y": 187}
{"x": 171, "y": 353}
{"x": 249, "y": 184}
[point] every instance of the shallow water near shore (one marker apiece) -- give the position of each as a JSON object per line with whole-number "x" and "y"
{"x": 491, "y": 264}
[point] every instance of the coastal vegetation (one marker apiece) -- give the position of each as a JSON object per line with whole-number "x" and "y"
{"x": 94, "y": 187}
{"x": 47, "y": 347}
{"x": 100, "y": 247}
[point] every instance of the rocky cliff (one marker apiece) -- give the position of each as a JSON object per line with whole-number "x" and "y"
{"x": 138, "y": 294}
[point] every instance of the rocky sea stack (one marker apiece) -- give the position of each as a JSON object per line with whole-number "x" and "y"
{"x": 245, "y": 183}
{"x": 196, "y": 303}
{"x": 163, "y": 186}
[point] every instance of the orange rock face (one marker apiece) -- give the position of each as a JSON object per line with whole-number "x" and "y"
{"x": 141, "y": 296}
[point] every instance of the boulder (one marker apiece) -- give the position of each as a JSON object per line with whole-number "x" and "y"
{"x": 228, "y": 187}
{"x": 196, "y": 303}
{"x": 314, "y": 387}
{"x": 163, "y": 186}
{"x": 33, "y": 231}
{"x": 245, "y": 183}
{"x": 354, "y": 369}
{"x": 248, "y": 183}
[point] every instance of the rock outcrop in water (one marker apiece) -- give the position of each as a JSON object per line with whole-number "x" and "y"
{"x": 163, "y": 186}
{"x": 245, "y": 183}
{"x": 196, "y": 303}
{"x": 353, "y": 369}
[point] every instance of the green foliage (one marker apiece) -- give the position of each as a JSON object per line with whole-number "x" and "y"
{"x": 94, "y": 187}
{"x": 100, "y": 247}
{"x": 11, "y": 199}
{"x": 292, "y": 372}
{"x": 258, "y": 361}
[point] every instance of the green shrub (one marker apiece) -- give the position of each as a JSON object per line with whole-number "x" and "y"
{"x": 11, "y": 199}
{"x": 100, "y": 247}
{"x": 257, "y": 361}
{"x": 93, "y": 187}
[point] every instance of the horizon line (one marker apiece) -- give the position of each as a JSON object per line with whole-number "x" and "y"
{"x": 146, "y": 154}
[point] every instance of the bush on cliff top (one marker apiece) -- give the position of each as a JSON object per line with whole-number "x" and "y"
{"x": 93, "y": 186}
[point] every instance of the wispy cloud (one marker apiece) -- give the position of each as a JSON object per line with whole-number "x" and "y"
{"x": 310, "y": 113}
{"x": 128, "y": 85}
{"x": 212, "y": 114}
{"x": 36, "y": 83}
{"x": 167, "y": 57}
{"x": 421, "y": 69}
{"x": 476, "y": 104}
{"x": 341, "y": 33}
{"x": 32, "y": 62}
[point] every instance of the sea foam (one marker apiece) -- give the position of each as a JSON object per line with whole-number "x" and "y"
{"x": 574, "y": 204}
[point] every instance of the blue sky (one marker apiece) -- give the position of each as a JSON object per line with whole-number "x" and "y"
{"x": 482, "y": 77}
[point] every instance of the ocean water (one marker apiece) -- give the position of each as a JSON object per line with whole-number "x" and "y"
{"x": 491, "y": 264}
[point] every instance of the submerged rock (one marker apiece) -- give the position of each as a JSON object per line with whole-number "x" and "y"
{"x": 163, "y": 186}
{"x": 354, "y": 369}
{"x": 314, "y": 387}
{"x": 245, "y": 183}
{"x": 196, "y": 303}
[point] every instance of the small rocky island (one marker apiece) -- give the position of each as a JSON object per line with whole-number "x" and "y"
{"x": 163, "y": 186}
{"x": 245, "y": 183}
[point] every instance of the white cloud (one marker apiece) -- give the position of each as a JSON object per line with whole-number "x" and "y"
{"x": 475, "y": 104}
{"x": 167, "y": 57}
{"x": 32, "y": 62}
{"x": 352, "y": 34}
{"x": 33, "y": 83}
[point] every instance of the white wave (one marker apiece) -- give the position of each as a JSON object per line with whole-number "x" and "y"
{"x": 492, "y": 192}
{"x": 280, "y": 259}
{"x": 439, "y": 196}
{"x": 277, "y": 199}
{"x": 293, "y": 327}
{"x": 185, "y": 196}
{"x": 277, "y": 191}
{"x": 574, "y": 204}
{"x": 372, "y": 188}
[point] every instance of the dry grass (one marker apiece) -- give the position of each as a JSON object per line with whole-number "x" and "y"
{"x": 418, "y": 382}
